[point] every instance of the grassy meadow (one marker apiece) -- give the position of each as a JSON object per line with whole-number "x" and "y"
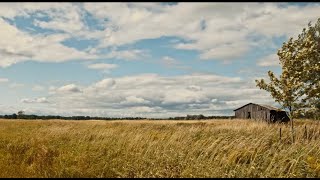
{"x": 208, "y": 148}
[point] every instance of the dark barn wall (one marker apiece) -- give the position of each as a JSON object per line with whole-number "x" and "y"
{"x": 280, "y": 116}
{"x": 256, "y": 112}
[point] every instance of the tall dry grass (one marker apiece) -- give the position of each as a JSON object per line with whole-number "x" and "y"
{"x": 217, "y": 148}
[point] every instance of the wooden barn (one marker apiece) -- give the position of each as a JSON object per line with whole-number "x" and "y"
{"x": 261, "y": 112}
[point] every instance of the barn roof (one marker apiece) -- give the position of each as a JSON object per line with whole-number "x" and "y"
{"x": 270, "y": 107}
{"x": 265, "y": 106}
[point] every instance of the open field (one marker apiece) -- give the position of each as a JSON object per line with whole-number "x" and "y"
{"x": 209, "y": 148}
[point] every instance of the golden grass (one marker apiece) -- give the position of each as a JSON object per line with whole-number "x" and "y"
{"x": 217, "y": 148}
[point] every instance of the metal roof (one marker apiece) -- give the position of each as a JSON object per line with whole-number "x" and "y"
{"x": 265, "y": 106}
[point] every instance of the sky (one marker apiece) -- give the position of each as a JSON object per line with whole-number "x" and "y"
{"x": 141, "y": 59}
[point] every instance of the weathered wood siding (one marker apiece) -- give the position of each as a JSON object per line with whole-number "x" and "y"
{"x": 256, "y": 112}
{"x": 259, "y": 112}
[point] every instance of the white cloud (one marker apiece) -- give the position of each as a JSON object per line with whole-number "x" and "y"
{"x": 226, "y": 51}
{"x": 17, "y": 46}
{"x": 38, "y": 88}
{"x": 180, "y": 96}
{"x": 275, "y": 20}
{"x": 127, "y": 54}
{"x": 36, "y": 100}
{"x": 147, "y": 25}
{"x": 60, "y": 16}
{"x": 228, "y": 26}
{"x": 219, "y": 31}
{"x": 61, "y": 19}
{"x": 70, "y": 88}
{"x": 102, "y": 66}
{"x": 270, "y": 60}
{"x": 214, "y": 100}
{"x": 105, "y": 83}
{"x": 152, "y": 95}
{"x": 169, "y": 61}
{"x": 194, "y": 88}
{"x": 133, "y": 100}
{"x": 4, "y": 80}
{"x": 142, "y": 110}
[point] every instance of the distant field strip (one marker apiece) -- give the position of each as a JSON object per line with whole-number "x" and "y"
{"x": 158, "y": 148}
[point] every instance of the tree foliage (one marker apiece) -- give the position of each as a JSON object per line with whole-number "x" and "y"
{"x": 298, "y": 87}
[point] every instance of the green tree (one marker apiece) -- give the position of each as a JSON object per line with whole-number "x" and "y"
{"x": 309, "y": 59}
{"x": 297, "y": 88}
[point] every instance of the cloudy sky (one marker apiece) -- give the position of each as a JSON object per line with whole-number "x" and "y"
{"x": 141, "y": 59}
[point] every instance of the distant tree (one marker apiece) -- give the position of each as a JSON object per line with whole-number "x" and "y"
{"x": 14, "y": 116}
{"x": 20, "y": 113}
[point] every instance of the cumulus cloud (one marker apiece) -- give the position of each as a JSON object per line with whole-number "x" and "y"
{"x": 104, "y": 84}
{"x": 38, "y": 88}
{"x": 127, "y": 54}
{"x": 270, "y": 60}
{"x": 133, "y": 100}
{"x": 194, "y": 88}
{"x": 62, "y": 18}
{"x": 17, "y": 46}
{"x": 102, "y": 66}
{"x": 70, "y": 88}
{"x": 36, "y": 100}
{"x": 4, "y": 80}
{"x": 223, "y": 51}
{"x": 218, "y": 31}
{"x": 169, "y": 61}
{"x": 152, "y": 95}
{"x": 143, "y": 109}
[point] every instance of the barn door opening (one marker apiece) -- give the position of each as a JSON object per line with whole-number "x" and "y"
{"x": 273, "y": 116}
{"x": 248, "y": 115}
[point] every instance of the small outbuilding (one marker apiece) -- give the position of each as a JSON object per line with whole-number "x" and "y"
{"x": 261, "y": 112}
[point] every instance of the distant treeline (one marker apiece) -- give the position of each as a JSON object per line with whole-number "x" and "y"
{"x": 188, "y": 117}
{"x": 15, "y": 116}
{"x": 198, "y": 117}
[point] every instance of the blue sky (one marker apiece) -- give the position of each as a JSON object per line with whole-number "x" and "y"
{"x": 141, "y": 59}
